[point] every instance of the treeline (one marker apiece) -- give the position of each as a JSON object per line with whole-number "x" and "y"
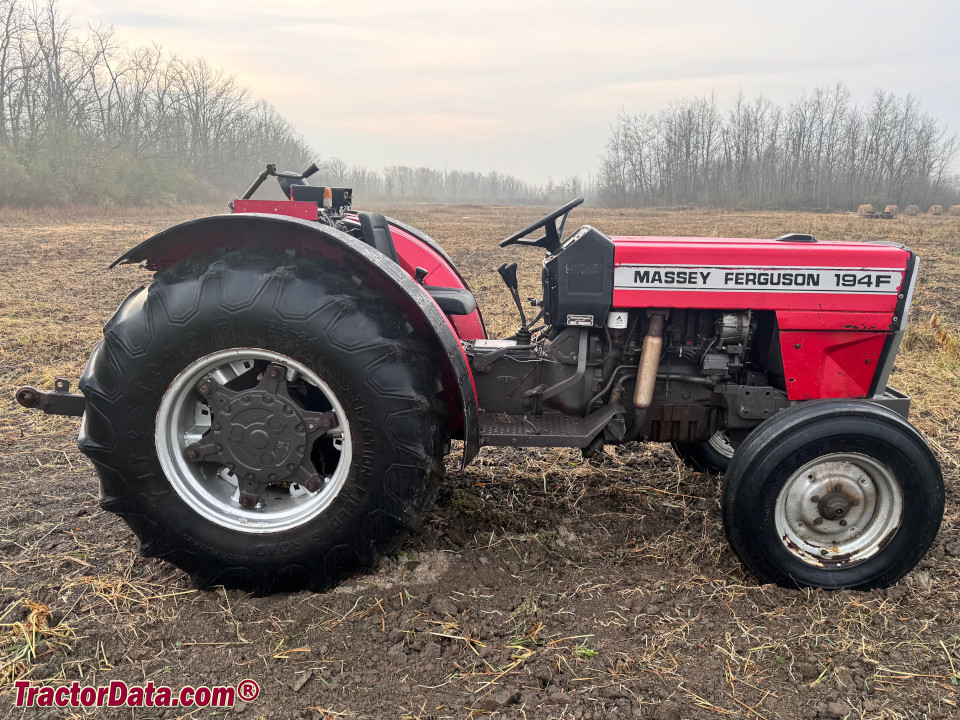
{"x": 421, "y": 184}
{"x": 87, "y": 119}
{"x": 820, "y": 152}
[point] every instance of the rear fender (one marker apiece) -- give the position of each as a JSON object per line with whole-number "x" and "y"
{"x": 413, "y": 245}
{"x": 207, "y": 235}
{"x": 415, "y": 249}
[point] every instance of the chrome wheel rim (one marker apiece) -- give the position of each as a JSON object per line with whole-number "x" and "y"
{"x": 839, "y": 510}
{"x": 186, "y": 418}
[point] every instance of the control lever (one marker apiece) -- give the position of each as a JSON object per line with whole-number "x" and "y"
{"x": 509, "y": 274}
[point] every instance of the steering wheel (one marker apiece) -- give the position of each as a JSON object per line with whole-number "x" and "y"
{"x": 554, "y": 230}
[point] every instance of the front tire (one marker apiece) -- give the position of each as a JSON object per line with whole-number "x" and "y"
{"x": 833, "y": 494}
{"x": 710, "y": 456}
{"x": 264, "y": 422}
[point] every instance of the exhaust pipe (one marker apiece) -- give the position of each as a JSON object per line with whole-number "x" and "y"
{"x": 646, "y": 375}
{"x": 649, "y": 364}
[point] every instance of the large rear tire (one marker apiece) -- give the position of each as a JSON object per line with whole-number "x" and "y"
{"x": 264, "y": 422}
{"x": 833, "y": 494}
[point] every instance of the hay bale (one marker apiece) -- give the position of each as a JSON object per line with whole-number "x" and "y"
{"x": 864, "y": 210}
{"x": 892, "y": 210}
{"x": 912, "y": 210}
{"x": 954, "y": 210}
{"x": 936, "y": 209}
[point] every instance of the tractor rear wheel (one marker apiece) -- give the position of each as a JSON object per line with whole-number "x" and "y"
{"x": 833, "y": 494}
{"x": 710, "y": 456}
{"x": 264, "y": 422}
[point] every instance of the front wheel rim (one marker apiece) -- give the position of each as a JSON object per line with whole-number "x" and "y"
{"x": 839, "y": 510}
{"x": 719, "y": 442}
{"x": 185, "y": 420}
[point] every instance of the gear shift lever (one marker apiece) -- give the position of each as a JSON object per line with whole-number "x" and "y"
{"x": 509, "y": 274}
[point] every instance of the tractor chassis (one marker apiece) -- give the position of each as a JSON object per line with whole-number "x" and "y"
{"x": 746, "y": 406}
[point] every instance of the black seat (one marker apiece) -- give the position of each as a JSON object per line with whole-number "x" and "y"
{"x": 376, "y": 234}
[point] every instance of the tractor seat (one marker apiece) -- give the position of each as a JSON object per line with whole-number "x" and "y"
{"x": 376, "y": 234}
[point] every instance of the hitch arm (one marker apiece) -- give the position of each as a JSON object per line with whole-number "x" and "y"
{"x": 59, "y": 402}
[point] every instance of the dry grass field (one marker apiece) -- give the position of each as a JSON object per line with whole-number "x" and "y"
{"x": 542, "y": 586}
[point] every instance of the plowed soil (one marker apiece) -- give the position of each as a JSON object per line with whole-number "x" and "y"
{"x": 541, "y": 586}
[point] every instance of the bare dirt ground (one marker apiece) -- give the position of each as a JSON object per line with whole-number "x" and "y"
{"x": 540, "y": 587}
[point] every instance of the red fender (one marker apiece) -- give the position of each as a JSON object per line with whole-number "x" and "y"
{"x": 206, "y": 236}
{"x": 417, "y": 249}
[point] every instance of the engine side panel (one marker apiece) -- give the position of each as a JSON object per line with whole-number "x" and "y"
{"x": 839, "y": 306}
{"x": 830, "y": 364}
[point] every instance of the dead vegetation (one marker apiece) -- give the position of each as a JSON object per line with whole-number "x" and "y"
{"x": 541, "y": 586}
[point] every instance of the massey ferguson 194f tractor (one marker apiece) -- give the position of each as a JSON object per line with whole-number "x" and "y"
{"x": 273, "y": 410}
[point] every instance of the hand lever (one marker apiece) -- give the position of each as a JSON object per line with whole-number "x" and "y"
{"x": 509, "y": 275}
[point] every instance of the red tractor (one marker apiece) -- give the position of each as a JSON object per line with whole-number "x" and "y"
{"x": 273, "y": 410}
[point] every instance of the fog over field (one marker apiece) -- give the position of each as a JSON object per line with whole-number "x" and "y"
{"x": 629, "y": 105}
{"x": 530, "y": 89}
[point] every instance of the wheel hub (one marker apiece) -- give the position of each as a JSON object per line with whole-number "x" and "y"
{"x": 838, "y": 509}
{"x": 264, "y": 438}
{"x": 260, "y": 435}
{"x": 834, "y": 505}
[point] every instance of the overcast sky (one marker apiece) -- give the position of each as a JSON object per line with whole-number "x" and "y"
{"x": 530, "y": 87}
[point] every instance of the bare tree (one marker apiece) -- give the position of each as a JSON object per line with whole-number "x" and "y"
{"x": 821, "y": 151}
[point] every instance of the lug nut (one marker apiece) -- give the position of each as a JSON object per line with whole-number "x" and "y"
{"x": 302, "y": 449}
{"x": 246, "y": 501}
{"x": 299, "y": 428}
{"x": 855, "y": 502}
{"x": 291, "y": 467}
{"x": 204, "y": 390}
{"x": 245, "y": 399}
{"x": 313, "y": 484}
{"x": 818, "y": 521}
{"x": 192, "y": 455}
{"x": 838, "y": 487}
{"x": 815, "y": 498}
{"x": 231, "y": 467}
{"x": 274, "y": 372}
{"x": 311, "y": 426}
{"x": 249, "y": 476}
{"x": 843, "y": 522}
{"x": 272, "y": 477}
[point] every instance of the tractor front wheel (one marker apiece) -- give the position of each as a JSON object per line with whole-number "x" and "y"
{"x": 710, "y": 456}
{"x": 264, "y": 422}
{"x": 833, "y": 494}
